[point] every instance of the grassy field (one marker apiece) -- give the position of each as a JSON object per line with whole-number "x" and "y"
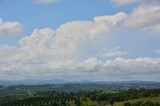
{"x": 153, "y": 99}
{"x": 93, "y": 103}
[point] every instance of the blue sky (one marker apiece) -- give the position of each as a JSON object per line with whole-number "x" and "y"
{"x": 61, "y": 39}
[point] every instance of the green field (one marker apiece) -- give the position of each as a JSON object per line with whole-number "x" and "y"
{"x": 153, "y": 99}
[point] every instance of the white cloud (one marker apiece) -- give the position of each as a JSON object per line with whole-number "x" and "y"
{"x": 89, "y": 29}
{"x": 6, "y": 50}
{"x": 10, "y": 27}
{"x": 111, "y": 21}
{"x": 45, "y": 1}
{"x": 89, "y": 69}
{"x": 127, "y": 2}
{"x": 146, "y": 15}
{"x": 62, "y": 43}
{"x": 91, "y": 64}
{"x": 65, "y": 40}
{"x": 50, "y": 53}
{"x": 134, "y": 68}
{"x": 116, "y": 52}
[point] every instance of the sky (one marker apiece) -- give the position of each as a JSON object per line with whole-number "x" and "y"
{"x": 73, "y": 40}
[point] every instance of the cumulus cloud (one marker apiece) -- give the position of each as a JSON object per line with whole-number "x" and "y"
{"x": 10, "y": 27}
{"x": 52, "y": 53}
{"x": 45, "y": 1}
{"x": 134, "y": 68}
{"x": 89, "y": 29}
{"x": 116, "y": 52}
{"x": 144, "y": 16}
{"x": 6, "y": 50}
{"x": 64, "y": 41}
{"x": 89, "y": 69}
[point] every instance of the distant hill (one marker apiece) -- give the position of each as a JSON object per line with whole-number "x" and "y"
{"x": 59, "y": 81}
{"x": 31, "y": 82}
{"x": 74, "y": 87}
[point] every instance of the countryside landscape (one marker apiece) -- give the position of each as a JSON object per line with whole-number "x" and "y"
{"x": 79, "y": 52}
{"x": 82, "y": 94}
